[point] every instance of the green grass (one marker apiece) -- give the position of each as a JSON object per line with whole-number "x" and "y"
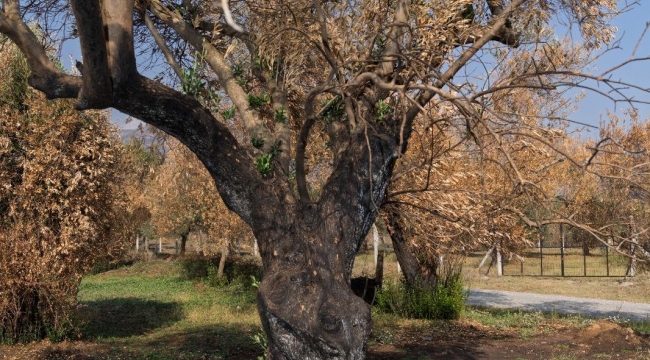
{"x": 641, "y": 327}
{"x": 147, "y": 311}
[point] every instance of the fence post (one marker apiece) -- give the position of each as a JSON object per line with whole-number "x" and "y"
{"x": 375, "y": 242}
{"x": 584, "y": 259}
{"x": 562, "y": 250}
{"x": 499, "y": 259}
{"x": 541, "y": 256}
{"x": 607, "y": 258}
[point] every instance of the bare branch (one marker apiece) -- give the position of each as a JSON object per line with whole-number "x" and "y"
{"x": 163, "y": 46}
{"x": 217, "y": 62}
{"x": 118, "y": 22}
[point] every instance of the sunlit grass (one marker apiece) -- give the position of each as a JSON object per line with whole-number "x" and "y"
{"x": 149, "y": 312}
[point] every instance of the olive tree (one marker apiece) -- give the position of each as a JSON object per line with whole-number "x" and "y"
{"x": 327, "y": 94}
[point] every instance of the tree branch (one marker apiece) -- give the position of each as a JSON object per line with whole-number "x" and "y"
{"x": 392, "y": 50}
{"x": 45, "y": 76}
{"x": 162, "y": 45}
{"x": 97, "y": 89}
{"x": 183, "y": 117}
{"x": 118, "y": 20}
{"x": 254, "y": 125}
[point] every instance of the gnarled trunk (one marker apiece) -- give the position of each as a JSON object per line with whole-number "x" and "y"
{"x": 306, "y": 304}
{"x": 307, "y": 307}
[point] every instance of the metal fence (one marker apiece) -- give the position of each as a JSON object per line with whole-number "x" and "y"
{"x": 568, "y": 261}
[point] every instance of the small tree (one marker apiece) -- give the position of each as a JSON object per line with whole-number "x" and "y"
{"x": 182, "y": 198}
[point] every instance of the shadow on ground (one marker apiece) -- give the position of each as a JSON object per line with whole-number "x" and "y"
{"x": 205, "y": 343}
{"x": 430, "y": 340}
{"x": 125, "y": 317}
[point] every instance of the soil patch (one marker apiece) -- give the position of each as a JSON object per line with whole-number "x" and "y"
{"x": 453, "y": 340}
{"x": 463, "y": 340}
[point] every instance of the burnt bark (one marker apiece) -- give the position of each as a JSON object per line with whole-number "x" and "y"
{"x": 308, "y": 249}
{"x": 184, "y": 237}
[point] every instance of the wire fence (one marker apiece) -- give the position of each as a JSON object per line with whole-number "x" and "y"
{"x": 568, "y": 261}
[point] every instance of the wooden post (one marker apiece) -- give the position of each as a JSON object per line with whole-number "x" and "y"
{"x": 379, "y": 270}
{"x": 541, "y": 256}
{"x": 485, "y": 258}
{"x": 375, "y": 242}
{"x": 584, "y": 258}
{"x": 256, "y": 249}
{"x": 607, "y": 258}
{"x": 160, "y": 245}
{"x": 137, "y": 243}
{"x": 222, "y": 260}
{"x": 634, "y": 243}
{"x": 499, "y": 259}
{"x": 562, "y": 250}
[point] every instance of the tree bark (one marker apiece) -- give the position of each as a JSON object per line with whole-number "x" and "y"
{"x": 222, "y": 260}
{"x": 184, "y": 237}
{"x": 416, "y": 271}
{"x": 305, "y": 302}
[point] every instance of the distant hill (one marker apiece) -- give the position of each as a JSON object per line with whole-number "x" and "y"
{"x": 127, "y": 134}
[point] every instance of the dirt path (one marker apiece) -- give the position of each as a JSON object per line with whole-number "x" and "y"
{"x": 594, "y": 308}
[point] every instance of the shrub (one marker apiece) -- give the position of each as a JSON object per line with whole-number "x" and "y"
{"x": 195, "y": 267}
{"x": 237, "y": 271}
{"x": 444, "y": 300}
{"x": 61, "y": 176}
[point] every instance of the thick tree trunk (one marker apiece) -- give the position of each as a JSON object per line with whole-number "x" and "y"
{"x": 307, "y": 307}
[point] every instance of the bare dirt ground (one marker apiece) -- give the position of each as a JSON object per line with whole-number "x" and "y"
{"x": 447, "y": 340}
{"x": 601, "y": 340}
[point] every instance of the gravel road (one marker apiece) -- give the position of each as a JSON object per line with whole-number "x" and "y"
{"x": 560, "y": 304}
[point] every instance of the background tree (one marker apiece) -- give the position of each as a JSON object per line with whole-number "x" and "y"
{"x": 183, "y": 199}
{"x": 60, "y": 204}
{"x": 142, "y": 155}
{"x": 356, "y": 74}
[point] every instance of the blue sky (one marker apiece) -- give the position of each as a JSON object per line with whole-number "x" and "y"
{"x": 594, "y": 107}
{"x": 631, "y": 26}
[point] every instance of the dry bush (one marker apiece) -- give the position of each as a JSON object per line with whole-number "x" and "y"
{"x": 59, "y": 175}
